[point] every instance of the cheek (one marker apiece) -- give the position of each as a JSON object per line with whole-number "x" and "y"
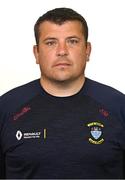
{"x": 79, "y": 52}
{"x": 47, "y": 55}
{"x": 45, "y": 61}
{"x": 79, "y": 58}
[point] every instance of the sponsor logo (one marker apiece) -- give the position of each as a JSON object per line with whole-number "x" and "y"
{"x": 31, "y": 135}
{"x": 96, "y": 132}
{"x": 19, "y": 135}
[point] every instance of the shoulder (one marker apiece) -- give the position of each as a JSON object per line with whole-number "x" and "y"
{"x": 103, "y": 91}
{"x": 19, "y": 95}
{"x": 103, "y": 88}
{"x": 108, "y": 96}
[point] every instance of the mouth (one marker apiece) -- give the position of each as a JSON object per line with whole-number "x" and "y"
{"x": 62, "y": 64}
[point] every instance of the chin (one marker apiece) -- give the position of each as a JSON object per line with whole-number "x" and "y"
{"x": 63, "y": 80}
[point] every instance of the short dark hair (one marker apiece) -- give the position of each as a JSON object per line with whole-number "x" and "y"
{"x": 59, "y": 16}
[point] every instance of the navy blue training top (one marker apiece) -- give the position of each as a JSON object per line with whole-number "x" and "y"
{"x": 47, "y": 137}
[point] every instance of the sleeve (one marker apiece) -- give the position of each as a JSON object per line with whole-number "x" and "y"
{"x": 2, "y": 159}
{"x": 2, "y": 165}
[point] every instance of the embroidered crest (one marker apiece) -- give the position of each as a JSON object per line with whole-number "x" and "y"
{"x": 96, "y": 132}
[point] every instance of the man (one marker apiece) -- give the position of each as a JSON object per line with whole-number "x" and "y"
{"x": 63, "y": 125}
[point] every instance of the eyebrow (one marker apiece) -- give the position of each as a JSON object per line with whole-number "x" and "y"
{"x": 49, "y": 38}
{"x": 70, "y": 37}
{"x": 53, "y": 38}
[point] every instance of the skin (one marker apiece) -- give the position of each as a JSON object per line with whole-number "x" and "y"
{"x": 62, "y": 54}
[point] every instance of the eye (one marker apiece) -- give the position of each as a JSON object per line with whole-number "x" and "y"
{"x": 73, "y": 41}
{"x": 50, "y": 43}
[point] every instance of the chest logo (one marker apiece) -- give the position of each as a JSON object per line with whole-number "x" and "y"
{"x": 31, "y": 135}
{"x": 96, "y": 132}
{"x": 19, "y": 135}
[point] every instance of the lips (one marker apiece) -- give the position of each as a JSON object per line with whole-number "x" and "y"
{"x": 62, "y": 64}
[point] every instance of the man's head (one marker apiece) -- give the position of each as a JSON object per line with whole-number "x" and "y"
{"x": 62, "y": 49}
{"x": 60, "y": 16}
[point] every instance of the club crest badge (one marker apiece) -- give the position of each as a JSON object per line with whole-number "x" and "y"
{"x": 96, "y": 132}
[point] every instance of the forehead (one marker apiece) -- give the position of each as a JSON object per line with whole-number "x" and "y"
{"x": 48, "y": 28}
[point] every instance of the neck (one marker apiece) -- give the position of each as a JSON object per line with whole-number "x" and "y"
{"x": 62, "y": 89}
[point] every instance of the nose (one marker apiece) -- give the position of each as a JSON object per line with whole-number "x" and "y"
{"x": 62, "y": 49}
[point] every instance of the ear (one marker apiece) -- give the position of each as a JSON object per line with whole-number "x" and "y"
{"x": 88, "y": 50}
{"x": 36, "y": 53}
